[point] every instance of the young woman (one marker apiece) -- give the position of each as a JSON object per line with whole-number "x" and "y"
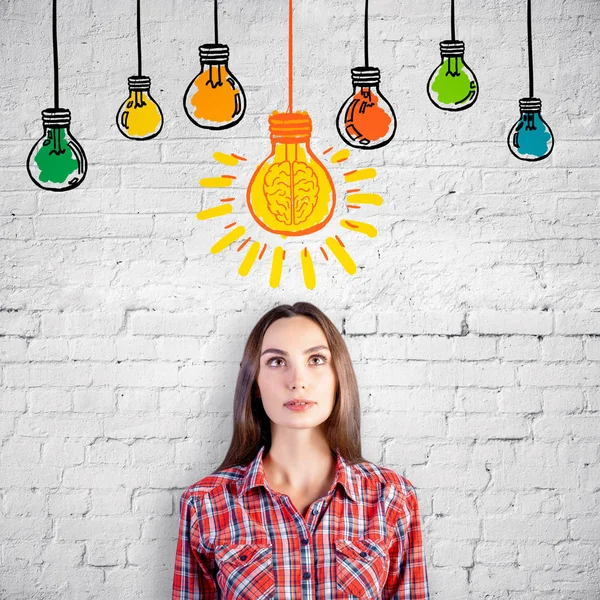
{"x": 294, "y": 511}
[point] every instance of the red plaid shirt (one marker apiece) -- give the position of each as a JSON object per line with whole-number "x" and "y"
{"x": 239, "y": 539}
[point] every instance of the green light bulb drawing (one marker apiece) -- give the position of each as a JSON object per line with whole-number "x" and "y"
{"x": 453, "y": 85}
{"x": 56, "y": 161}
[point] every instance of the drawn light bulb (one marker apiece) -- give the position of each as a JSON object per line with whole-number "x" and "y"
{"x": 530, "y": 137}
{"x": 139, "y": 117}
{"x": 214, "y": 99}
{"x": 57, "y": 161}
{"x": 366, "y": 119}
{"x": 452, "y": 86}
{"x": 291, "y": 191}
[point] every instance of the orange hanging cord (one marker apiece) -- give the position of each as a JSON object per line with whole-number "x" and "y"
{"x": 290, "y": 58}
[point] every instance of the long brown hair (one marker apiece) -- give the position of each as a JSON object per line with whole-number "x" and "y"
{"x": 251, "y": 425}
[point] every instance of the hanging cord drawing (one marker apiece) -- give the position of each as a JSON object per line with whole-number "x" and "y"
{"x": 55, "y": 52}
{"x": 216, "y": 25}
{"x": 366, "y": 33}
{"x": 139, "y": 39}
{"x": 290, "y": 57}
{"x": 530, "y": 48}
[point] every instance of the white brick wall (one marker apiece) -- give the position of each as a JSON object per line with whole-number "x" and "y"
{"x": 473, "y": 319}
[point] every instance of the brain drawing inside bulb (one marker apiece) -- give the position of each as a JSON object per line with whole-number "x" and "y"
{"x": 291, "y": 192}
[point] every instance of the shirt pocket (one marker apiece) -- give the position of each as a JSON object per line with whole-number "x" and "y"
{"x": 245, "y": 571}
{"x": 361, "y": 566}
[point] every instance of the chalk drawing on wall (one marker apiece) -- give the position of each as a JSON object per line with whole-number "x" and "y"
{"x": 366, "y": 120}
{"x": 139, "y": 117}
{"x": 214, "y": 99}
{"x": 453, "y": 85}
{"x": 291, "y": 194}
{"x": 57, "y": 161}
{"x": 256, "y": 250}
{"x": 530, "y": 138}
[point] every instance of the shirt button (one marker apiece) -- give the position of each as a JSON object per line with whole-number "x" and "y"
{"x": 243, "y": 557}
{"x": 304, "y": 541}
{"x": 315, "y": 511}
{"x": 363, "y": 553}
{"x": 306, "y": 575}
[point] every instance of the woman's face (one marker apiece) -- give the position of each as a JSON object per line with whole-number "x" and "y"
{"x": 295, "y": 362}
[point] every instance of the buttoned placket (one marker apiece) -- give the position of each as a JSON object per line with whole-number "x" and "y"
{"x": 306, "y": 530}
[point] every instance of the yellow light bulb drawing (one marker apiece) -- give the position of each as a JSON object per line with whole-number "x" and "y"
{"x": 291, "y": 191}
{"x": 139, "y": 117}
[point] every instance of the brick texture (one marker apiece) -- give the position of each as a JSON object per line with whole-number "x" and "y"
{"x": 473, "y": 318}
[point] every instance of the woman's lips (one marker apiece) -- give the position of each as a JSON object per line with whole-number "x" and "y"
{"x": 299, "y": 407}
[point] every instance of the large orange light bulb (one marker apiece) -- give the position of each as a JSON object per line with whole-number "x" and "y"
{"x": 291, "y": 191}
{"x": 215, "y": 99}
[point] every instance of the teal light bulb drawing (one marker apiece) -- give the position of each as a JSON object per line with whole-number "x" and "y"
{"x": 453, "y": 85}
{"x": 530, "y": 138}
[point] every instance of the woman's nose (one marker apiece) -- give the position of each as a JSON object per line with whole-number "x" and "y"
{"x": 298, "y": 379}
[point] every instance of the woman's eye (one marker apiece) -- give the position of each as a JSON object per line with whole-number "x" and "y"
{"x": 319, "y": 357}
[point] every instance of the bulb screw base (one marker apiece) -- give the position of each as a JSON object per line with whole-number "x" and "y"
{"x": 452, "y": 48}
{"x": 138, "y": 83}
{"x": 366, "y": 76}
{"x": 212, "y": 54}
{"x": 530, "y": 105}
{"x": 290, "y": 127}
{"x": 56, "y": 117}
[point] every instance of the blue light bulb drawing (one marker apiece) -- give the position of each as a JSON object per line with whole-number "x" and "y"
{"x": 530, "y": 138}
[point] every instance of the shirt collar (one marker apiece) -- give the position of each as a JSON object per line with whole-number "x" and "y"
{"x": 255, "y": 476}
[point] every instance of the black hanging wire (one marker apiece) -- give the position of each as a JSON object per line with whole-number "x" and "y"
{"x": 530, "y": 48}
{"x": 139, "y": 38}
{"x": 216, "y": 25}
{"x": 366, "y": 33}
{"x": 453, "y": 31}
{"x": 55, "y": 52}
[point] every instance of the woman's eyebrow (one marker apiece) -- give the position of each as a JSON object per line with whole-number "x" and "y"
{"x": 284, "y": 353}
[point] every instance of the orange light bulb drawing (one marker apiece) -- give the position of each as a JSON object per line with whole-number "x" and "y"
{"x": 214, "y": 99}
{"x": 291, "y": 191}
{"x": 366, "y": 119}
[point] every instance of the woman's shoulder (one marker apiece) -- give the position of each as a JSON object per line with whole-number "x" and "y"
{"x": 213, "y": 482}
{"x": 399, "y": 492}
{"x": 386, "y": 476}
